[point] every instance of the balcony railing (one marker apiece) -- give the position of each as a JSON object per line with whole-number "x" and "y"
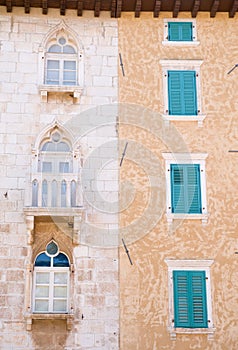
{"x": 54, "y": 191}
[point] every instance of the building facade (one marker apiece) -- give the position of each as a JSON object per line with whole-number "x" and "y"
{"x": 118, "y": 174}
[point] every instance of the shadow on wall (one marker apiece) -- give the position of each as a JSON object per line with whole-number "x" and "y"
{"x": 49, "y": 335}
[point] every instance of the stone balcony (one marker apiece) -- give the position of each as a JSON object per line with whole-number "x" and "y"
{"x": 54, "y": 195}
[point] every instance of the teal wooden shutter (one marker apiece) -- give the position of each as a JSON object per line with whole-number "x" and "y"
{"x": 182, "y": 93}
{"x": 177, "y": 189}
{"x": 185, "y": 188}
{"x": 193, "y": 189}
{"x": 190, "y": 302}
{"x": 180, "y": 31}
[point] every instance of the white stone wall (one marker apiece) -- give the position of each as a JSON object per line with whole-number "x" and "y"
{"x": 23, "y": 116}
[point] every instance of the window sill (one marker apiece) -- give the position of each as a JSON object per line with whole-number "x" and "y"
{"x": 174, "y": 331}
{"x": 74, "y": 90}
{"x": 180, "y": 43}
{"x": 203, "y": 217}
{"x": 185, "y": 118}
{"x": 47, "y": 316}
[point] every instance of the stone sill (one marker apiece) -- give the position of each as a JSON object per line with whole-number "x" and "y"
{"x": 209, "y": 331}
{"x": 49, "y": 211}
{"x": 203, "y": 217}
{"x": 181, "y": 43}
{"x": 49, "y": 316}
{"x": 74, "y": 90}
{"x": 185, "y": 118}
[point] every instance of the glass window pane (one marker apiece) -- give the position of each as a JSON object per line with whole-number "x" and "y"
{"x": 60, "y": 306}
{"x": 53, "y": 64}
{"x": 61, "y": 260}
{"x": 64, "y": 167}
{"x": 34, "y": 193}
{"x": 46, "y": 167}
{"x": 69, "y": 65}
{"x": 42, "y": 260}
{"x": 60, "y": 277}
{"x": 73, "y": 194}
{"x": 62, "y": 41}
{"x": 42, "y": 278}
{"x": 48, "y": 147}
{"x": 69, "y": 76}
{"x": 68, "y": 49}
{"x": 54, "y": 194}
{"x": 42, "y": 291}
{"x": 60, "y": 292}
{"x": 54, "y": 48}
{"x": 41, "y": 305}
{"x": 53, "y": 75}
{"x": 52, "y": 248}
{"x": 63, "y": 147}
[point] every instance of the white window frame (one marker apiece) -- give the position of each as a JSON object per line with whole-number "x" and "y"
{"x": 186, "y": 158}
{"x": 45, "y": 89}
{"x": 194, "y": 42}
{"x": 189, "y": 65}
{"x": 189, "y": 265}
{"x": 61, "y": 58}
{"x": 51, "y": 271}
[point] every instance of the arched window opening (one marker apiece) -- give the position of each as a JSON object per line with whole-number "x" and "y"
{"x": 73, "y": 189}
{"x": 51, "y": 281}
{"x": 34, "y": 193}
{"x": 63, "y": 193}
{"x": 55, "y": 155}
{"x": 54, "y": 193}
{"x": 44, "y": 193}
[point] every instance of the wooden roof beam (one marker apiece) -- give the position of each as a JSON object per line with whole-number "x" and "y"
{"x": 27, "y": 6}
{"x": 234, "y": 8}
{"x": 62, "y": 7}
{"x": 97, "y": 8}
{"x": 138, "y": 8}
{"x": 119, "y": 7}
{"x": 80, "y": 8}
{"x": 9, "y": 5}
{"x": 176, "y": 8}
{"x": 113, "y": 8}
{"x": 44, "y": 7}
{"x": 195, "y": 8}
{"x": 157, "y": 8}
{"x": 214, "y": 8}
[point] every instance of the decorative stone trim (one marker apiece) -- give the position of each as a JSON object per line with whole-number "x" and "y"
{"x": 74, "y": 91}
{"x": 189, "y": 265}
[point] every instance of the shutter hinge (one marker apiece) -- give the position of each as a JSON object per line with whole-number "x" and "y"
{"x": 206, "y": 278}
{"x": 173, "y": 320}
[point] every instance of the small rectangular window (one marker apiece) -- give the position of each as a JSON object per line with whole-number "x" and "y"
{"x": 185, "y": 188}
{"x": 182, "y": 93}
{"x": 180, "y": 31}
{"x": 190, "y": 304}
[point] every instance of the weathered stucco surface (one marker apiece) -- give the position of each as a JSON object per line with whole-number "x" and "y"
{"x": 144, "y": 285}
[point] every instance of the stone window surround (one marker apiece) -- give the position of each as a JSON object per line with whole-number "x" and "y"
{"x": 186, "y": 158}
{"x": 192, "y": 265}
{"x": 193, "y": 65}
{"x": 195, "y": 42}
{"x": 75, "y": 90}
